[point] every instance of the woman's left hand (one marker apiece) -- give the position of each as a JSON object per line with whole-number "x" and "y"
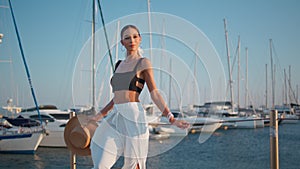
{"x": 96, "y": 117}
{"x": 181, "y": 124}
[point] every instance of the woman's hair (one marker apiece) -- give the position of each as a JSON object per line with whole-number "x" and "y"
{"x": 129, "y": 26}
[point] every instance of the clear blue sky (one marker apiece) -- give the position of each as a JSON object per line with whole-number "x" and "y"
{"x": 53, "y": 33}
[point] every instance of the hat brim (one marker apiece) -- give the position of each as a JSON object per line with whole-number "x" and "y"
{"x": 75, "y": 122}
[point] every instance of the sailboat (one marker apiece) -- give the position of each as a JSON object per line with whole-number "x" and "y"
{"x": 87, "y": 99}
{"x": 234, "y": 118}
{"x": 18, "y": 134}
{"x": 285, "y": 111}
{"x": 56, "y": 119}
{"x": 19, "y": 139}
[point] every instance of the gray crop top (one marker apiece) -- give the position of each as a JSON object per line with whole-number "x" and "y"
{"x": 127, "y": 80}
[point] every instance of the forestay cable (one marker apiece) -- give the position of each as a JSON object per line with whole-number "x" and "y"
{"x": 24, "y": 61}
{"x": 106, "y": 38}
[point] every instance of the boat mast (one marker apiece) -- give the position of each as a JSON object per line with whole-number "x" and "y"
{"x": 195, "y": 73}
{"x": 266, "y": 86}
{"x": 296, "y": 95}
{"x": 163, "y": 46}
{"x": 117, "y": 40}
{"x": 285, "y": 88}
{"x": 150, "y": 30}
{"x": 170, "y": 81}
{"x": 229, "y": 65}
{"x": 289, "y": 84}
{"x": 246, "y": 95}
{"x": 292, "y": 94}
{"x": 238, "y": 81}
{"x": 93, "y": 110}
{"x": 272, "y": 76}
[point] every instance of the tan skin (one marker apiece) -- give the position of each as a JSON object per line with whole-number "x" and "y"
{"x": 131, "y": 41}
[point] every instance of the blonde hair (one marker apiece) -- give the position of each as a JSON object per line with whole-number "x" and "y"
{"x": 129, "y": 26}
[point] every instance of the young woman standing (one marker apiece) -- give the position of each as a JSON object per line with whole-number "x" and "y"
{"x": 124, "y": 131}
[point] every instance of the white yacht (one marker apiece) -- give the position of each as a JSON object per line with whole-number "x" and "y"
{"x": 55, "y": 121}
{"x": 286, "y": 114}
{"x": 231, "y": 117}
{"x": 196, "y": 124}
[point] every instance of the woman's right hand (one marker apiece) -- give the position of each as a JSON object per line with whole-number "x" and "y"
{"x": 181, "y": 124}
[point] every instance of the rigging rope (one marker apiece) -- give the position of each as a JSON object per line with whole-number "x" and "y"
{"x": 105, "y": 33}
{"x": 25, "y": 63}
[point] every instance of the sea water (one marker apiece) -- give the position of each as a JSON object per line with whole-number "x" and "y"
{"x": 226, "y": 149}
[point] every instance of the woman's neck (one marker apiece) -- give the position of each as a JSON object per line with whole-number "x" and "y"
{"x": 132, "y": 56}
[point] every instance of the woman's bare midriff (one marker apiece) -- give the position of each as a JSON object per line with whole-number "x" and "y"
{"x": 125, "y": 96}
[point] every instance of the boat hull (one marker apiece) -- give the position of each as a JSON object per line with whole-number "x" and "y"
{"x": 55, "y": 121}
{"x": 243, "y": 122}
{"x": 289, "y": 119}
{"x": 20, "y": 143}
{"x": 54, "y": 139}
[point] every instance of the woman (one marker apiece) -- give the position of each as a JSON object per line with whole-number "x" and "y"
{"x": 124, "y": 130}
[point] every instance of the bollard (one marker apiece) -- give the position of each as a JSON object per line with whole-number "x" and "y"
{"x": 274, "y": 152}
{"x": 72, "y": 155}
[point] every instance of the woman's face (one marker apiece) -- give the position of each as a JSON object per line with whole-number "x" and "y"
{"x": 131, "y": 39}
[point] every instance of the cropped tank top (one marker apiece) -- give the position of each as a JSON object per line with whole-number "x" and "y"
{"x": 127, "y": 80}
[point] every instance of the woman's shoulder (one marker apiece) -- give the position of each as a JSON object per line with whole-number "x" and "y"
{"x": 145, "y": 63}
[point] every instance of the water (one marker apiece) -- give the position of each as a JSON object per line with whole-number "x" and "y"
{"x": 227, "y": 149}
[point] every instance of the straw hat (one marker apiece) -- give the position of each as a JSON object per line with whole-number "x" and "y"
{"x": 78, "y": 133}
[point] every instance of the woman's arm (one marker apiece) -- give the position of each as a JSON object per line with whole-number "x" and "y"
{"x": 102, "y": 113}
{"x": 154, "y": 93}
{"x": 156, "y": 96}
